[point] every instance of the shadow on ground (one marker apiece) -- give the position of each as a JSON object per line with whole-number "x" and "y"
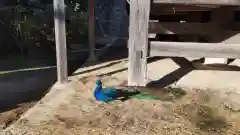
{"x": 186, "y": 67}
{"x": 29, "y": 86}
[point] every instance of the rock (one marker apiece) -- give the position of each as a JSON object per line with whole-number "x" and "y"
{"x": 232, "y": 101}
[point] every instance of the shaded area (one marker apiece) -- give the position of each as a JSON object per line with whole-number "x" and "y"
{"x": 186, "y": 67}
{"x": 97, "y": 68}
{"x": 112, "y": 53}
{"x": 16, "y": 88}
{"x": 149, "y": 60}
{"x": 29, "y": 86}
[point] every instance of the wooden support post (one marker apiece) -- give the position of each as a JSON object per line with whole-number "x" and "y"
{"x": 60, "y": 39}
{"x": 220, "y": 17}
{"x": 138, "y": 42}
{"x": 91, "y": 31}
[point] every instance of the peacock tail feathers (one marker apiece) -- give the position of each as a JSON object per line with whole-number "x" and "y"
{"x": 145, "y": 96}
{"x": 136, "y": 93}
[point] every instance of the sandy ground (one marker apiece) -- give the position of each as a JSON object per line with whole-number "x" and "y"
{"x": 72, "y": 110}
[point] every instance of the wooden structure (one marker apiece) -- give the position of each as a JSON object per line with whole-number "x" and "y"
{"x": 60, "y": 38}
{"x": 140, "y": 47}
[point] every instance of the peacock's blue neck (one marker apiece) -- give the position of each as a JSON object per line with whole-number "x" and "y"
{"x": 98, "y": 88}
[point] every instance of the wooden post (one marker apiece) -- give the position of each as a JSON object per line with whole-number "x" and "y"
{"x": 91, "y": 31}
{"x": 60, "y": 39}
{"x": 138, "y": 42}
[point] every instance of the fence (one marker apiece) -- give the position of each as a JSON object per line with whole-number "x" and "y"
{"x": 111, "y": 21}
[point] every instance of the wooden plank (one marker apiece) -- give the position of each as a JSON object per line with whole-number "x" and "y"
{"x": 161, "y": 9}
{"x": 138, "y": 42}
{"x": 91, "y": 32}
{"x": 208, "y": 29}
{"x": 184, "y": 28}
{"x": 187, "y": 49}
{"x": 60, "y": 39}
{"x": 179, "y": 16}
{"x": 199, "y": 2}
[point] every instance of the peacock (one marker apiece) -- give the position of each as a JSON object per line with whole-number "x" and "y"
{"x": 111, "y": 93}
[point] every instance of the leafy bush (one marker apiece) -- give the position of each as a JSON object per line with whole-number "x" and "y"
{"x": 29, "y": 26}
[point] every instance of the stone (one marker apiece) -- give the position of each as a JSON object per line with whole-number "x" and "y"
{"x": 232, "y": 101}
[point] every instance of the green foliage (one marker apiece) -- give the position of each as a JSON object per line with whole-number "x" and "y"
{"x": 30, "y": 28}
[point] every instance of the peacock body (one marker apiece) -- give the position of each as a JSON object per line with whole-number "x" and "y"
{"x": 112, "y": 93}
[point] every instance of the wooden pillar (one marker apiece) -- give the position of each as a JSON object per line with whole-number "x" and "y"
{"x": 60, "y": 39}
{"x": 91, "y": 31}
{"x": 138, "y": 42}
{"x": 221, "y": 17}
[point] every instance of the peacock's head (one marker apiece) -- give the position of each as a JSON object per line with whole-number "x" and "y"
{"x": 99, "y": 82}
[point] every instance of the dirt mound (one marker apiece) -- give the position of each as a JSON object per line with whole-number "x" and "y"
{"x": 178, "y": 112}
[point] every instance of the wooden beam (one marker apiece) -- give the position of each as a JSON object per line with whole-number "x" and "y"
{"x": 208, "y": 29}
{"x": 199, "y": 2}
{"x": 187, "y": 49}
{"x": 60, "y": 39}
{"x": 161, "y": 9}
{"x": 138, "y": 42}
{"x": 91, "y": 31}
{"x": 179, "y": 16}
{"x": 184, "y": 28}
